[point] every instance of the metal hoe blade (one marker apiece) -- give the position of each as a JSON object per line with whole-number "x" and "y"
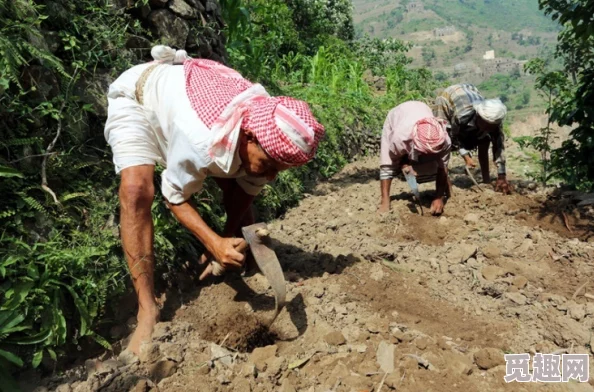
{"x": 268, "y": 263}
{"x": 469, "y": 174}
{"x": 412, "y": 183}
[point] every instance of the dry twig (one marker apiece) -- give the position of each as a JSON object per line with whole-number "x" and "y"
{"x": 574, "y": 296}
{"x": 50, "y": 147}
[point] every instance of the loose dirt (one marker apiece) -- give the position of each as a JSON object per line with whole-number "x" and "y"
{"x": 435, "y": 302}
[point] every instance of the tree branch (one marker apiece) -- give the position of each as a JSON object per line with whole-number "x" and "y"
{"x": 50, "y": 147}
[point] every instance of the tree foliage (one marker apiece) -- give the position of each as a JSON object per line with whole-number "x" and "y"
{"x": 574, "y": 161}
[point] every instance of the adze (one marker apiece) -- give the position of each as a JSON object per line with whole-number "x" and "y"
{"x": 257, "y": 238}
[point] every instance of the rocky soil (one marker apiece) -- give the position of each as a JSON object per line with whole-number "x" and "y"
{"x": 379, "y": 302}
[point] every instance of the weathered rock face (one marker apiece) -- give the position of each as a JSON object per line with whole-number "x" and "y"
{"x": 193, "y": 25}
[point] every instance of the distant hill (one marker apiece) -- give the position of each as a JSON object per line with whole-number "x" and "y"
{"x": 485, "y": 42}
{"x": 387, "y": 18}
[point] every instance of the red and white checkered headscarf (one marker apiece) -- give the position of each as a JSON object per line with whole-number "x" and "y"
{"x": 285, "y": 128}
{"x": 429, "y": 136}
{"x": 226, "y": 102}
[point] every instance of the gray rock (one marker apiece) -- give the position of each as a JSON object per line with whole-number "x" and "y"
{"x": 162, "y": 369}
{"x": 520, "y": 282}
{"x": 461, "y": 253}
{"x": 335, "y": 338}
{"x": 471, "y": 218}
{"x": 92, "y": 366}
{"x": 64, "y": 388}
{"x": 172, "y": 29}
{"x": 576, "y": 311}
{"x": 143, "y": 386}
{"x": 260, "y": 355}
{"x": 224, "y": 378}
{"x": 92, "y": 91}
{"x": 158, "y": 3}
{"x": 221, "y": 354}
{"x": 197, "y": 4}
{"x": 488, "y": 358}
{"x": 318, "y": 291}
{"x": 385, "y": 356}
{"x": 83, "y": 387}
{"x": 564, "y": 331}
{"x": 492, "y": 272}
{"x": 491, "y": 251}
{"x": 138, "y": 42}
{"x": 172, "y": 351}
{"x": 275, "y": 365}
{"x": 183, "y": 9}
{"x": 149, "y": 352}
{"x": 517, "y": 298}
{"x": 128, "y": 358}
{"x": 472, "y": 262}
{"x": 162, "y": 332}
{"x": 212, "y": 6}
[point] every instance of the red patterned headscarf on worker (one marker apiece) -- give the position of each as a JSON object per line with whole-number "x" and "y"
{"x": 429, "y": 136}
{"x": 225, "y": 101}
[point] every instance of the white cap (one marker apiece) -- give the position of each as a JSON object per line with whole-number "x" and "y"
{"x": 492, "y": 111}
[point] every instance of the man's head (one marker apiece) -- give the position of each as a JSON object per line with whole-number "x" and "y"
{"x": 276, "y": 134}
{"x": 254, "y": 160}
{"x": 490, "y": 114}
{"x": 430, "y": 137}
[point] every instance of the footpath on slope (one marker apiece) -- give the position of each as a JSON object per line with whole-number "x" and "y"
{"x": 379, "y": 302}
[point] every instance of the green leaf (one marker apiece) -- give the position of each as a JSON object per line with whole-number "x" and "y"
{"x": 33, "y": 339}
{"x": 85, "y": 319}
{"x": 32, "y": 271}
{"x": 9, "y": 320}
{"x": 10, "y": 357}
{"x": 37, "y": 357}
{"x": 100, "y": 340}
{"x": 10, "y": 172}
{"x": 21, "y": 290}
{"x": 52, "y": 354}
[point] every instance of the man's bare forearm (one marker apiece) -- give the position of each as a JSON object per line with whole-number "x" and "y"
{"x": 385, "y": 189}
{"x": 441, "y": 183}
{"x": 237, "y": 205}
{"x": 188, "y": 215}
{"x": 483, "y": 153}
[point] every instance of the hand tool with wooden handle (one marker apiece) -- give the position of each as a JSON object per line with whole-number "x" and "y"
{"x": 257, "y": 237}
{"x": 411, "y": 179}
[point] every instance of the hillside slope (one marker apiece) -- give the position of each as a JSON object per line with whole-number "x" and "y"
{"x": 368, "y": 294}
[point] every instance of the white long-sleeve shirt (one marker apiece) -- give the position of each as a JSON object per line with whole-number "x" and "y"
{"x": 166, "y": 130}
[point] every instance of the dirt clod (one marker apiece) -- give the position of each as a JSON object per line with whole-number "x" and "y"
{"x": 260, "y": 355}
{"x": 491, "y": 272}
{"x": 488, "y": 358}
{"x": 149, "y": 352}
{"x": 335, "y": 338}
{"x": 162, "y": 369}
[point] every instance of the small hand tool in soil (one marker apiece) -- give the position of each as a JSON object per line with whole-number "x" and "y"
{"x": 469, "y": 174}
{"x": 411, "y": 179}
{"x": 257, "y": 237}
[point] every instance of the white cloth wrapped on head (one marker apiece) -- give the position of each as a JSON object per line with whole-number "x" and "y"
{"x": 492, "y": 111}
{"x": 167, "y": 55}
